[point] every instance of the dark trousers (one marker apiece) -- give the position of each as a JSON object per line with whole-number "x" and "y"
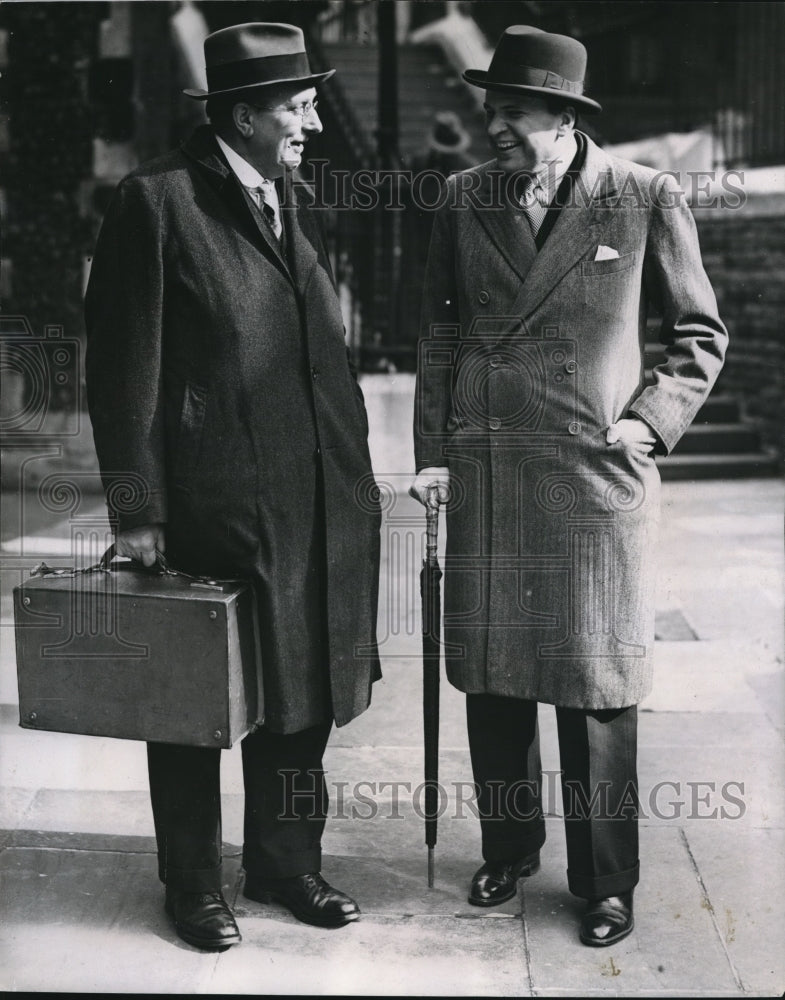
{"x": 285, "y": 807}
{"x": 599, "y": 787}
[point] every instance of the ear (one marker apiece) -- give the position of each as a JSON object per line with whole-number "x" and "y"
{"x": 243, "y": 119}
{"x": 567, "y": 118}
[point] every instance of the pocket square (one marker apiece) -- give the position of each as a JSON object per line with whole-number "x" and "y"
{"x": 606, "y": 253}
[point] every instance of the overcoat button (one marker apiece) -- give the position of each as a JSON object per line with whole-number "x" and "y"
{"x": 314, "y": 372}
{"x": 494, "y": 423}
{"x": 571, "y": 367}
{"x": 483, "y": 298}
{"x": 574, "y": 427}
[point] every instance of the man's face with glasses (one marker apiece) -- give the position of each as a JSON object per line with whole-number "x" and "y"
{"x": 281, "y": 127}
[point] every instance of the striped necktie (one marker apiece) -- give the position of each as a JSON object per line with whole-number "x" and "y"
{"x": 533, "y": 201}
{"x": 261, "y": 197}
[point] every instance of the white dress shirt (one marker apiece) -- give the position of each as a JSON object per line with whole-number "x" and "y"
{"x": 251, "y": 179}
{"x": 545, "y": 183}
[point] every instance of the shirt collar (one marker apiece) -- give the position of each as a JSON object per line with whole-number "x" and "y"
{"x": 550, "y": 176}
{"x": 246, "y": 174}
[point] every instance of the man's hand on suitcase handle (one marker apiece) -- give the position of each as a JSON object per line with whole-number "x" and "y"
{"x": 427, "y": 478}
{"x": 142, "y": 543}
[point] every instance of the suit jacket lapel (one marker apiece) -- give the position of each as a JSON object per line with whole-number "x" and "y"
{"x": 575, "y": 231}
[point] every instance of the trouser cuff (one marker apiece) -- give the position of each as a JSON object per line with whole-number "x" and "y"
{"x": 515, "y": 848}
{"x": 602, "y": 886}
{"x": 300, "y": 863}
{"x": 191, "y": 879}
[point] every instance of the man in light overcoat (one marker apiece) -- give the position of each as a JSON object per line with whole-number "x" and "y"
{"x": 217, "y": 376}
{"x": 534, "y": 421}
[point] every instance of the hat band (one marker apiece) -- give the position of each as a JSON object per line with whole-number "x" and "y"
{"x": 529, "y": 76}
{"x": 252, "y": 72}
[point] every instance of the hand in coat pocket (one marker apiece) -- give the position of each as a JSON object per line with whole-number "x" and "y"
{"x": 633, "y": 434}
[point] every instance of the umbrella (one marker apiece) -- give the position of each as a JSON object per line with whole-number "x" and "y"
{"x": 430, "y": 578}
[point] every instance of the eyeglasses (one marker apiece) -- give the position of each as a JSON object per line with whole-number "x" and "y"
{"x": 301, "y": 110}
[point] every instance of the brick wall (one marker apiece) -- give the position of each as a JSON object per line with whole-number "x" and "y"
{"x": 744, "y": 255}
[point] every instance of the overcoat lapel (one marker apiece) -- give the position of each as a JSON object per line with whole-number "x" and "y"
{"x": 575, "y": 231}
{"x": 272, "y": 244}
{"x": 300, "y": 234}
{"x": 202, "y": 148}
{"x": 505, "y": 223}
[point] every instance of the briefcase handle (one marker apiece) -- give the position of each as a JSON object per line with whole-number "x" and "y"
{"x": 165, "y": 568}
{"x": 104, "y": 566}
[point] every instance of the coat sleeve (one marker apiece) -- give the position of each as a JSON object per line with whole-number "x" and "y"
{"x": 123, "y": 361}
{"x": 694, "y": 336}
{"x": 436, "y": 351}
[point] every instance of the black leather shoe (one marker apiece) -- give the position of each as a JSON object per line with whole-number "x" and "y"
{"x": 308, "y": 897}
{"x": 497, "y": 881}
{"x": 607, "y": 920}
{"x": 203, "y": 919}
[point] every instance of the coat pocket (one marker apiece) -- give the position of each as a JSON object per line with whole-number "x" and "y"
{"x": 590, "y": 267}
{"x": 189, "y": 438}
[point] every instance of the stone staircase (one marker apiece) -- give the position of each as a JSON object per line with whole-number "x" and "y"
{"x": 720, "y": 443}
{"x": 426, "y": 85}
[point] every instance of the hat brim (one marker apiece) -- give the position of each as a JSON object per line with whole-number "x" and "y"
{"x": 305, "y": 81}
{"x": 479, "y": 78}
{"x": 457, "y": 147}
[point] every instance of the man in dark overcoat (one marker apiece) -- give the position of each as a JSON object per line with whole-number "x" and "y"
{"x": 534, "y": 420}
{"x": 218, "y": 377}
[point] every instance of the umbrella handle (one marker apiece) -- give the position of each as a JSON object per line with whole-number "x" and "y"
{"x": 431, "y": 522}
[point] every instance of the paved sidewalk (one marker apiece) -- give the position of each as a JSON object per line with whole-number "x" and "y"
{"x": 82, "y": 909}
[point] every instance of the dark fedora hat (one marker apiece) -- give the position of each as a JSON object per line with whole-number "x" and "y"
{"x": 255, "y": 55}
{"x": 528, "y": 60}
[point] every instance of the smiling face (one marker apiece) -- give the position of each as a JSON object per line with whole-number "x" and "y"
{"x": 522, "y": 132}
{"x": 275, "y": 130}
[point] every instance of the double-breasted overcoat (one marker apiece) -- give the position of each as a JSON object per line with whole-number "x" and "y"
{"x": 526, "y": 358}
{"x": 223, "y": 405}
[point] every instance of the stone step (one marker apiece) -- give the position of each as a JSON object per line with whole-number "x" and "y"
{"x": 426, "y": 84}
{"x": 730, "y": 466}
{"x": 720, "y": 408}
{"x": 718, "y": 438}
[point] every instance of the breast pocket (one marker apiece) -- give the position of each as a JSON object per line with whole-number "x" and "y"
{"x": 189, "y": 438}
{"x": 612, "y": 266}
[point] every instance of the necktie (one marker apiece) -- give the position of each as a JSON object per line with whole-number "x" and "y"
{"x": 533, "y": 201}
{"x": 262, "y": 197}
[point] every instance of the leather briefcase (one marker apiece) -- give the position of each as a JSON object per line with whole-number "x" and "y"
{"x": 138, "y": 654}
